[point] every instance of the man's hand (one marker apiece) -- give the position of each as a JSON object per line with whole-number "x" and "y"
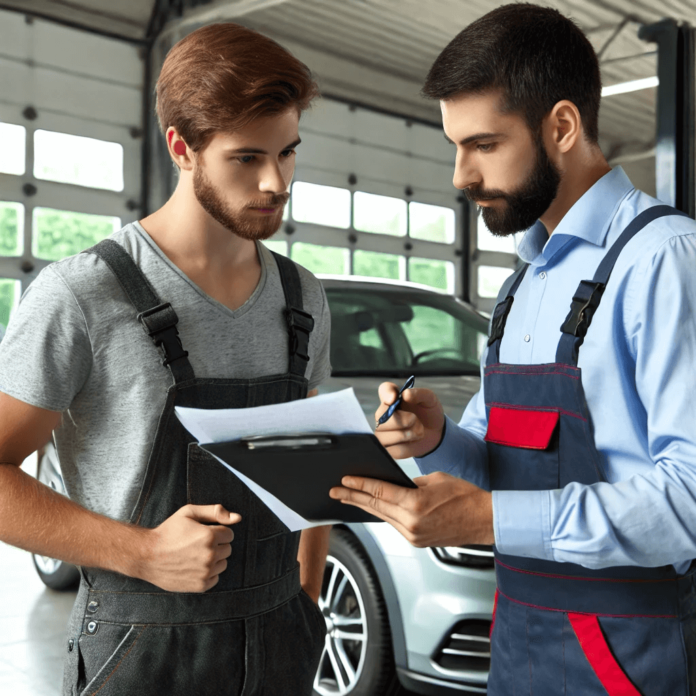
{"x": 189, "y": 550}
{"x": 416, "y": 427}
{"x": 442, "y": 511}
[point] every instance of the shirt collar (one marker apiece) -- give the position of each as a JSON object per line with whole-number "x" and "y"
{"x": 589, "y": 219}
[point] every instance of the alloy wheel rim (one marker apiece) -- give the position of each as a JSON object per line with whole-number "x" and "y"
{"x": 345, "y": 645}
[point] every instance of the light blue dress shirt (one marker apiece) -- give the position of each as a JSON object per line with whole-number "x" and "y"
{"x": 638, "y": 366}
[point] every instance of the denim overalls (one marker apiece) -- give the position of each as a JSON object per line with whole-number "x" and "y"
{"x": 561, "y": 628}
{"x": 256, "y": 633}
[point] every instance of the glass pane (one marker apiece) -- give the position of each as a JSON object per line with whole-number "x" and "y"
{"x": 279, "y": 246}
{"x": 489, "y": 242}
{"x": 11, "y": 228}
{"x": 431, "y": 222}
{"x": 379, "y": 214}
{"x": 377, "y": 265}
{"x": 321, "y": 259}
{"x": 321, "y": 205}
{"x": 402, "y": 331}
{"x": 438, "y": 274}
{"x": 490, "y": 280}
{"x": 73, "y": 159}
{"x": 13, "y": 151}
{"x": 59, "y": 233}
{"x": 9, "y": 297}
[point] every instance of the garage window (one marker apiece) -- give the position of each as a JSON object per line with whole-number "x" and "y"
{"x": 321, "y": 205}
{"x": 321, "y": 259}
{"x": 431, "y": 222}
{"x": 9, "y": 297}
{"x": 11, "y": 227}
{"x": 61, "y": 233}
{"x": 12, "y": 153}
{"x": 73, "y": 159}
{"x": 379, "y": 214}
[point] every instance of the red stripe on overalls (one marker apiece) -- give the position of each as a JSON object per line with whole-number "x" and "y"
{"x": 495, "y": 608}
{"x": 598, "y": 654}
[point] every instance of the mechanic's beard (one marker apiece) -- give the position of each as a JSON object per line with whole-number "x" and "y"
{"x": 527, "y": 204}
{"x": 259, "y": 227}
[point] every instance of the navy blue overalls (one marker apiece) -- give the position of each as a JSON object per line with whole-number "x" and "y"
{"x": 560, "y": 628}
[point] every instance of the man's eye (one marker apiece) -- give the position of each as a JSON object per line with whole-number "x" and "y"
{"x": 245, "y": 159}
{"x": 485, "y": 147}
{"x": 287, "y": 153}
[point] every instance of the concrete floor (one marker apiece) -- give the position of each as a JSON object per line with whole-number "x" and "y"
{"x": 33, "y": 621}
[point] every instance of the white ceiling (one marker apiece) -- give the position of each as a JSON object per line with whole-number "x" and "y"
{"x": 377, "y": 52}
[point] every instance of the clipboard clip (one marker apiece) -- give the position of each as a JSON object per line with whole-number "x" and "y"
{"x": 295, "y": 441}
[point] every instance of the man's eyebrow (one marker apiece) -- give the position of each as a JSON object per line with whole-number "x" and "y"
{"x": 259, "y": 151}
{"x": 475, "y": 137}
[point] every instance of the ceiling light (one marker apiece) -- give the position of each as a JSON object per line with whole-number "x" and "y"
{"x": 632, "y": 86}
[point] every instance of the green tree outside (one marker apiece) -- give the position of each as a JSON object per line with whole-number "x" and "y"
{"x": 9, "y": 229}
{"x": 376, "y": 265}
{"x": 58, "y": 233}
{"x": 320, "y": 259}
{"x": 428, "y": 272}
{"x": 8, "y": 288}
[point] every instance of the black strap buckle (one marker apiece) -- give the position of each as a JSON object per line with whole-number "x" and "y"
{"x": 582, "y": 308}
{"x": 300, "y": 325}
{"x": 500, "y": 315}
{"x": 159, "y": 324}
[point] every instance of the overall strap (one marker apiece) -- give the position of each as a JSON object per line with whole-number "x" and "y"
{"x": 158, "y": 319}
{"x": 501, "y": 311}
{"x": 300, "y": 323}
{"x": 589, "y": 293}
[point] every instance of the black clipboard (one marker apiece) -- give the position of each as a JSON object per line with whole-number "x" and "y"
{"x": 300, "y": 469}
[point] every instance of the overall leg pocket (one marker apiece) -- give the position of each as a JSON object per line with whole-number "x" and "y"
{"x": 636, "y": 656}
{"x": 100, "y": 662}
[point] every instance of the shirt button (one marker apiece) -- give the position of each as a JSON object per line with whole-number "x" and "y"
{"x": 542, "y": 275}
{"x": 527, "y": 338}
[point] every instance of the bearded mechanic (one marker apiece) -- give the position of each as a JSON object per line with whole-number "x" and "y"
{"x": 185, "y": 307}
{"x": 583, "y": 429}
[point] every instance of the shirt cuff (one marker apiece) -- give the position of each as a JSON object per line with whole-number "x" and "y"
{"x": 521, "y": 523}
{"x": 460, "y": 453}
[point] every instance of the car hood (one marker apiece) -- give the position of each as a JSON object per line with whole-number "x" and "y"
{"x": 454, "y": 392}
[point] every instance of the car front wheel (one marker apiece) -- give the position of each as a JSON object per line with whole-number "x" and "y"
{"x": 357, "y": 657}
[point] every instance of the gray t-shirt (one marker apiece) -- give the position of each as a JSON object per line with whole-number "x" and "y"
{"x": 74, "y": 345}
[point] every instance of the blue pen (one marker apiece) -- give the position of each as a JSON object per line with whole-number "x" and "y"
{"x": 390, "y": 411}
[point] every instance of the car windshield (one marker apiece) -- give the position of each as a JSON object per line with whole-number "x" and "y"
{"x": 402, "y": 331}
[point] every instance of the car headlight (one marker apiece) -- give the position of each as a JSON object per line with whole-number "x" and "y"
{"x": 472, "y": 556}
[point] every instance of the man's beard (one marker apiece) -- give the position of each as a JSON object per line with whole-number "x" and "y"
{"x": 527, "y": 204}
{"x": 257, "y": 227}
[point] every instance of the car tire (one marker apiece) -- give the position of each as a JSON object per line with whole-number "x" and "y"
{"x": 54, "y": 574}
{"x": 351, "y": 593}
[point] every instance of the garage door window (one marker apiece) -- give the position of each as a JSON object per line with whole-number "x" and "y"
{"x": 437, "y": 274}
{"x": 491, "y": 279}
{"x": 73, "y": 159}
{"x": 11, "y": 226}
{"x": 377, "y": 265}
{"x": 433, "y": 223}
{"x": 321, "y": 259}
{"x": 321, "y": 205}
{"x": 12, "y": 153}
{"x": 9, "y": 297}
{"x": 61, "y": 233}
{"x": 379, "y": 214}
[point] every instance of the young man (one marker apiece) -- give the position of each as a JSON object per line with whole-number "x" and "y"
{"x": 185, "y": 308}
{"x": 589, "y": 448}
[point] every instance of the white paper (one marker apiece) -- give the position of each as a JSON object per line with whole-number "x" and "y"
{"x": 335, "y": 413}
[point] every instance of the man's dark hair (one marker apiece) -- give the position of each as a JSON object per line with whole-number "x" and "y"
{"x": 534, "y": 55}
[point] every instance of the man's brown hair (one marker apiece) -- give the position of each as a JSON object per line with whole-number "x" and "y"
{"x": 223, "y": 76}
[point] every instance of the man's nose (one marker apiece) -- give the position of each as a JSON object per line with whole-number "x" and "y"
{"x": 464, "y": 174}
{"x": 272, "y": 179}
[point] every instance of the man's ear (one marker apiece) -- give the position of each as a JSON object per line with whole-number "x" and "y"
{"x": 179, "y": 151}
{"x": 563, "y": 126}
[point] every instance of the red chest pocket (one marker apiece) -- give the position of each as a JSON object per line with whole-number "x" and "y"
{"x": 516, "y": 427}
